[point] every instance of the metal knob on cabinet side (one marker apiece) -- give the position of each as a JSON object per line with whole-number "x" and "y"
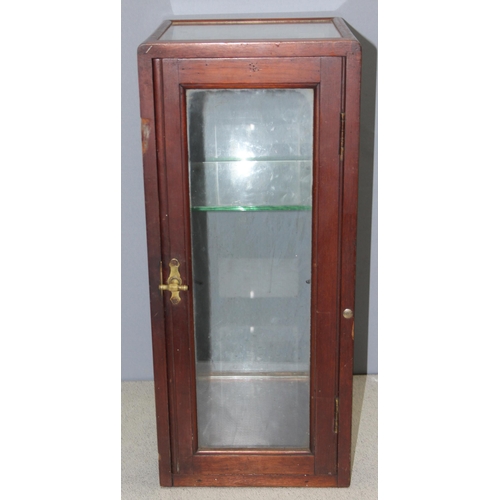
{"x": 347, "y": 313}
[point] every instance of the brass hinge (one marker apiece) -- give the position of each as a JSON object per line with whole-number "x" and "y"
{"x": 342, "y": 135}
{"x": 336, "y": 421}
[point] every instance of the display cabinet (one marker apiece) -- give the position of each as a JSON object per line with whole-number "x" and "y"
{"x": 250, "y": 147}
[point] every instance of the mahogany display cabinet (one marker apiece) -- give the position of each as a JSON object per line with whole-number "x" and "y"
{"x": 250, "y": 145}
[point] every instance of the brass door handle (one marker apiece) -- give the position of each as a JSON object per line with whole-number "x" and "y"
{"x": 174, "y": 286}
{"x": 174, "y": 282}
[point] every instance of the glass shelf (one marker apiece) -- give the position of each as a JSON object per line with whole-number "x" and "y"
{"x": 263, "y": 208}
{"x": 255, "y": 159}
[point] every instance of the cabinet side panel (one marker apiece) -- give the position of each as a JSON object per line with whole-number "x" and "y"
{"x": 149, "y": 150}
{"x": 348, "y": 261}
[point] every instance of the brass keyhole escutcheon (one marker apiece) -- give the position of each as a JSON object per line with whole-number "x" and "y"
{"x": 174, "y": 282}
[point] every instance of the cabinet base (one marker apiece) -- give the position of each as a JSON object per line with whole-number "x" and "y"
{"x": 257, "y": 480}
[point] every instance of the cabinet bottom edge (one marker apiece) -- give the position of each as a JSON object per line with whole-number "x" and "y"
{"x": 256, "y": 480}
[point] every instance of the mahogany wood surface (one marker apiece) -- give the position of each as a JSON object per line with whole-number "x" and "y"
{"x": 332, "y": 68}
{"x": 249, "y": 71}
{"x": 348, "y": 261}
{"x": 176, "y": 191}
{"x": 233, "y": 463}
{"x": 151, "y": 163}
{"x": 305, "y": 48}
{"x": 325, "y": 264}
{"x": 272, "y": 480}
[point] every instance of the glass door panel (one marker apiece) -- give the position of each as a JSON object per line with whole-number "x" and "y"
{"x": 250, "y": 164}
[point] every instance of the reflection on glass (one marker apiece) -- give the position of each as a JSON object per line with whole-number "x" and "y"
{"x": 250, "y": 154}
{"x": 240, "y": 185}
{"x": 254, "y": 31}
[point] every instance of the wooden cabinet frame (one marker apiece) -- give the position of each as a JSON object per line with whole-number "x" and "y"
{"x": 332, "y": 68}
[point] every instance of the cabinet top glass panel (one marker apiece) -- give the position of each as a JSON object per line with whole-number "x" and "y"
{"x": 308, "y": 29}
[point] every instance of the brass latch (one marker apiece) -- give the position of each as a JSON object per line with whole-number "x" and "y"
{"x": 174, "y": 282}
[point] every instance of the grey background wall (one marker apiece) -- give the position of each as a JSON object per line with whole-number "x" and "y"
{"x": 139, "y": 20}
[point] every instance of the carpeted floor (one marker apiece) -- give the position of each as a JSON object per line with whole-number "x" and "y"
{"x": 140, "y": 471}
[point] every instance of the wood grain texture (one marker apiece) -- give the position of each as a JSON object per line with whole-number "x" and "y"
{"x": 348, "y": 259}
{"x": 344, "y": 31}
{"x": 249, "y": 71}
{"x": 253, "y": 464}
{"x": 149, "y": 148}
{"x": 327, "y": 261}
{"x": 270, "y": 480}
{"x": 305, "y": 48}
{"x": 175, "y": 218}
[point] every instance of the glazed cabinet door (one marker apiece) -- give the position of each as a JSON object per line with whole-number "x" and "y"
{"x": 249, "y": 188}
